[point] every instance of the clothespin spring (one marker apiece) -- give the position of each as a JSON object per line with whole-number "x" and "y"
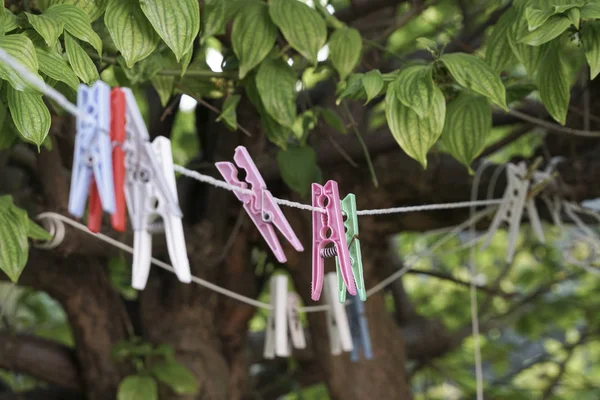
{"x": 330, "y": 252}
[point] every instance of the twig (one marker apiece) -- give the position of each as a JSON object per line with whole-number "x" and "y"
{"x": 214, "y": 109}
{"x": 362, "y": 145}
{"x": 552, "y": 126}
{"x": 562, "y": 368}
{"x": 340, "y": 150}
{"x": 492, "y": 291}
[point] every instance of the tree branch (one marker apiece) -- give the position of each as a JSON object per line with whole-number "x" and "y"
{"x": 41, "y": 359}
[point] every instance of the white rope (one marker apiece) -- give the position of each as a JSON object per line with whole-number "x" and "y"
{"x": 42, "y": 87}
{"x": 74, "y": 110}
{"x": 158, "y": 263}
{"x": 473, "y": 291}
{"x": 56, "y": 220}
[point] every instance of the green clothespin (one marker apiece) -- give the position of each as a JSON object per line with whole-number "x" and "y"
{"x": 351, "y": 225}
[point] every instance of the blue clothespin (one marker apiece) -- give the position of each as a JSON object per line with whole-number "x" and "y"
{"x": 93, "y": 151}
{"x": 359, "y": 328}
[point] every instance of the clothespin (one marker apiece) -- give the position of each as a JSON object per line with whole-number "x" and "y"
{"x": 340, "y": 338}
{"x": 92, "y": 158}
{"x": 117, "y": 137}
{"x": 260, "y": 205}
{"x": 351, "y": 228}
{"x": 151, "y": 195}
{"x": 511, "y": 209}
{"x": 282, "y": 320}
{"x": 329, "y": 239}
{"x": 359, "y": 328}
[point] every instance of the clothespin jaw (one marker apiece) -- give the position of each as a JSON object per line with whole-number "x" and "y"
{"x": 329, "y": 238}
{"x": 511, "y": 208}
{"x": 260, "y": 205}
{"x": 351, "y": 227}
{"x": 340, "y": 338}
{"x": 92, "y": 157}
{"x": 283, "y": 320}
{"x": 359, "y": 328}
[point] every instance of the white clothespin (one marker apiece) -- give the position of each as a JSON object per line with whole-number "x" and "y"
{"x": 340, "y": 338}
{"x": 511, "y": 209}
{"x": 283, "y": 319}
{"x": 151, "y": 195}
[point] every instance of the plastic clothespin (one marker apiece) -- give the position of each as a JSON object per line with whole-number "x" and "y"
{"x": 511, "y": 209}
{"x": 260, "y": 205}
{"x": 92, "y": 158}
{"x": 151, "y": 194}
{"x": 329, "y": 239}
{"x": 340, "y": 338}
{"x": 117, "y": 137}
{"x": 359, "y": 328}
{"x": 282, "y": 320}
{"x": 351, "y": 227}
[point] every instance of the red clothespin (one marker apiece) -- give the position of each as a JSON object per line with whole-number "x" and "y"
{"x": 117, "y": 137}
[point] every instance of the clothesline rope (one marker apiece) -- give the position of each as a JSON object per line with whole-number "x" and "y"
{"x": 55, "y": 217}
{"x": 61, "y": 100}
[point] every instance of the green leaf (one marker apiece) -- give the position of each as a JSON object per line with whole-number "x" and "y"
{"x": 427, "y": 44}
{"x": 372, "y": 81}
{"x": 536, "y": 18}
{"x": 574, "y": 16}
{"x": 527, "y": 55}
{"x": 93, "y": 8}
{"x": 415, "y": 135}
{"x": 467, "y": 127}
{"x": 551, "y": 29}
{"x": 591, "y": 10}
{"x": 518, "y": 91}
{"x": 80, "y": 61}
{"x": 10, "y": 21}
{"x": 36, "y": 232}
{"x": 252, "y": 49}
{"x": 56, "y": 67}
{"x": 590, "y": 36}
{"x": 14, "y": 246}
{"x": 30, "y": 115}
{"x": 274, "y": 132}
{"x": 299, "y": 168}
{"x": 177, "y": 22}
{"x": 345, "y": 47}
{"x": 130, "y": 30}
{"x": 352, "y": 88}
{"x": 213, "y": 18}
{"x": 498, "y": 53}
{"x": 330, "y": 19}
{"x": 177, "y": 377}
{"x": 49, "y": 28}
{"x": 138, "y": 387}
{"x": 76, "y": 22}
{"x": 332, "y": 119}
{"x": 553, "y": 85}
{"x": 473, "y": 73}
{"x": 21, "y": 49}
{"x": 302, "y": 27}
{"x": 228, "y": 113}
{"x": 276, "y": 84}
{"x": 415, "y": 88}
{"x": 164, "y": 87}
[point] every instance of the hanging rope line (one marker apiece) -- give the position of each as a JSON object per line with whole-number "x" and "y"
{"x": 58, "y": 219}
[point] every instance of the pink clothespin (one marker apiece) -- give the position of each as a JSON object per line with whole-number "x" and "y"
{"x": 260, "y": 205}
{"x": 328, "y": 228}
